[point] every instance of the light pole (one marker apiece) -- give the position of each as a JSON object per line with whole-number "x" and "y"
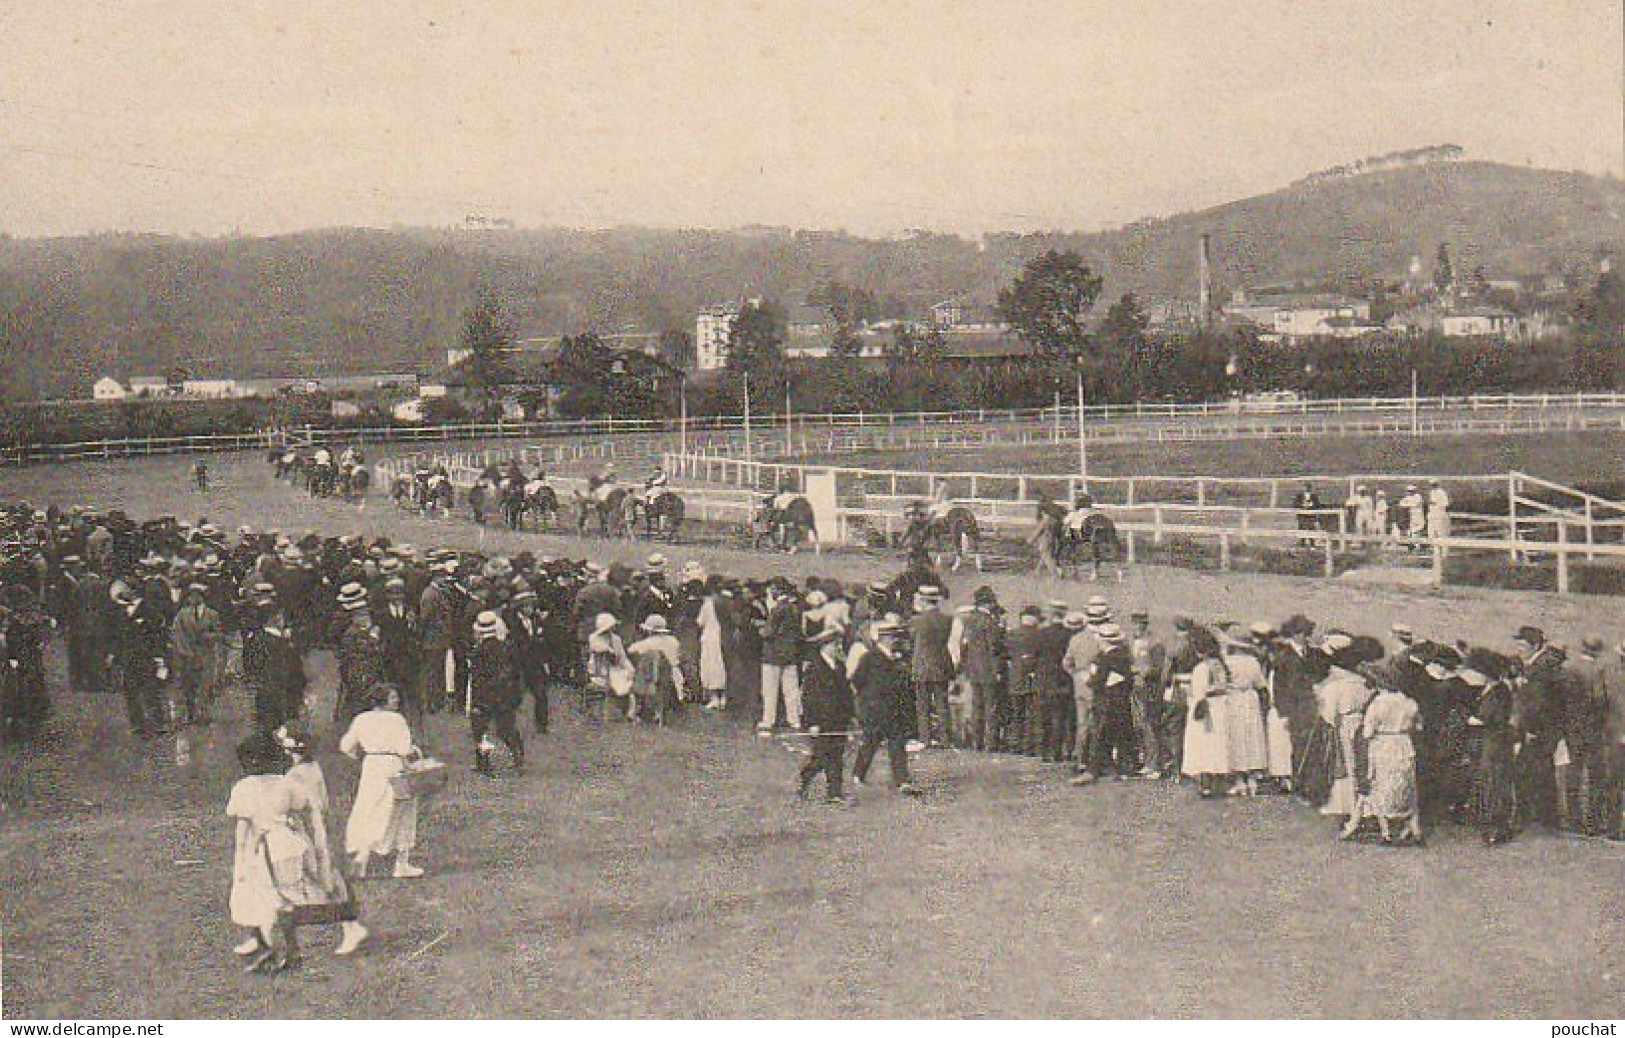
{"x": 789, "y": 421}
{"x": 1083, "y": 440}
{"x": 682, "y": 412}
{"x": 747, "y": 416}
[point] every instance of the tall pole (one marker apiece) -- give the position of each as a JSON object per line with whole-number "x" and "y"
{"x": 747, "y": 416}
{"x": 1083, "y": 441}
{"x": 1415, "y": 423}
{"x": 789, "y": 422}
{"x": 1057, "y": 436}
{"x": 682, "y": 413}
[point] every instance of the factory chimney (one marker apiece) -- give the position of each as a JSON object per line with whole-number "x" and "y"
{"x": 1205, "y": 286}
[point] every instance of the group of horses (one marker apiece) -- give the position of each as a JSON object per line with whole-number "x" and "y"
{"x": 618, "y": 510}
{"x": 1068, "y": 541}
{"x": 304, "y": 467}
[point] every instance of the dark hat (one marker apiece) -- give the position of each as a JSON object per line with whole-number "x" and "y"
{"x": 1591, "y": 646}
{"x": 1297, "y": 625}
{"x": 984, "y": 596}
{"x": 1530, "y": 635}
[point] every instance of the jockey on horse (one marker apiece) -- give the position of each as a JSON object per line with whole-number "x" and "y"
{"x": 657, "y": 484}
{"x": 1082, "y": 508}
{"x": 602, "y": 482}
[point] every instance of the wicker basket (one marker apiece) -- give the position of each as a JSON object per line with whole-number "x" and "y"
{"x": 420, "y": 778}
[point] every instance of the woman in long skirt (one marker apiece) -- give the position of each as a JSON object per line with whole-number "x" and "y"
{"x": 1246, "y": 753}
{"x": 1343, "y": 698}
{"x": 270, "y": 858}
{"x": 1390, "y": 721}
{"x": 1206, "y": 750}
{"x": 338, "y": 903}
{"x": 713, "y": 662}
{"x": 380, "y": 824}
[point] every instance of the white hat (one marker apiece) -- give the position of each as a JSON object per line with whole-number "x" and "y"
{"x": 487, "y": 625}
{"x": 654, "y": 623}
{"x": 604, "y": 622}
{"x": 656, "y": 561}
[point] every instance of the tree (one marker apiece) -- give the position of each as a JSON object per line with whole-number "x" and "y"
{"x": 916, "y": 347}
{"x": 1123, "y": 344}
{"x": 850, "y": 309}
{"x": 677, "y": 347}
{"x": 1048, "y": 304}
{"x": 580, "y": 371}
{"x": 1599, "y": 340}
{"x": 1444, "y": 278}
{"x": 487, "y": 334}
{"x": 756, "y": 344}
{"x": 914, "y": 366}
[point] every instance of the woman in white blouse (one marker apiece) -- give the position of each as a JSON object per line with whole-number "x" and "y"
{"x": 380, "y": 823}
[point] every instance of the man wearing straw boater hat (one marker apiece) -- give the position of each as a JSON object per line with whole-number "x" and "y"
{"x": 879, "y": 677}
{"x": 827, "y": 708}
{"x": 196, "y": 654}
{"x": 493, "y": 693}
{"x": 359, "y": 655}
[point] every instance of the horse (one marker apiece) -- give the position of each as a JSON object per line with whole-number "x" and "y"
{"x": 608, "y": 505}
{"x": 353, "y": 482}
{"x": 478, "y": 495}
{"x": 323, "y": 477}
{"x": 511, "y": 499}
{"x": 787, "y": 522}
{"x": 403, "y": 489}
{"x": 439, "y": 493}
{"x": 541, "y": 502}
{"x": 1095, "y": 536}
{"x": 662, "y": 514}
{"x": 956, "y": 527}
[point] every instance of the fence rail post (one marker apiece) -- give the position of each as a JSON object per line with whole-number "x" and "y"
{"x": 1562, "y": 557}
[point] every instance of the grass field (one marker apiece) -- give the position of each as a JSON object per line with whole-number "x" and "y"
{"x": 635, "y": 873}
{"x": 1577, "y": 458}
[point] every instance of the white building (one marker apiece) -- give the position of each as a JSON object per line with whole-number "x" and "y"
{"x": 711, "y": 330}
{"x": 107, "y": 388}
{"x": 209, "y": 388}
{"x": 147, "y": 386}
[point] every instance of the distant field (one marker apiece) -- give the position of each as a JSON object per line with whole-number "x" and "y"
{"x": 670, "y": 873}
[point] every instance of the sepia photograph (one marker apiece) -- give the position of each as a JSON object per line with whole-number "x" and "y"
{"x": 862, "y": 510}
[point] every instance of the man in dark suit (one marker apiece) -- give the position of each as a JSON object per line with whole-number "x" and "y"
{"x": 437, "y": 614}
{"x": 880, "y": 682}
{"x": 931, "y": 669}
{"x": 1537, "y": 715}
{"x": 398, "y": 641}
{"x": 827, "y": 708}
{"x": 528, "y": 642}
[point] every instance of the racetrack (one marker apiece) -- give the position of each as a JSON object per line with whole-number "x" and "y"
{"x": 671, "y": 873}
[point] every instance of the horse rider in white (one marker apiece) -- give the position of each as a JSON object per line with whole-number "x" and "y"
{"x": 1082, "y": 509}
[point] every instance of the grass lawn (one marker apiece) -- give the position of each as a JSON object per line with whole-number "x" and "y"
{"x": 672, "y": 873}
{"x": 1579, "y": 458}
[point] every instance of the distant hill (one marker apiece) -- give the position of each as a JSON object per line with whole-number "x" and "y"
{"x": 1355, "y": 228}
{"x": 344, "y": 301}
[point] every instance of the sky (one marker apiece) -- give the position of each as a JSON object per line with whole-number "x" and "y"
{"x": 875, "y": 117}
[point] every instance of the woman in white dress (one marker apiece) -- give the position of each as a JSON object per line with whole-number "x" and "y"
{"x": 1343, "y": 696}
{"x": 338, "y": 902}
{"x": 1246, "y": 753}
{"x": 1390, "y": 720}
{"x": 609, "y": 670}
{"x": 1206, "y": 753}
{"x": 380, "y": 823}
{"x": 270, "y": 871}
{"x": 713, "y": 664}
